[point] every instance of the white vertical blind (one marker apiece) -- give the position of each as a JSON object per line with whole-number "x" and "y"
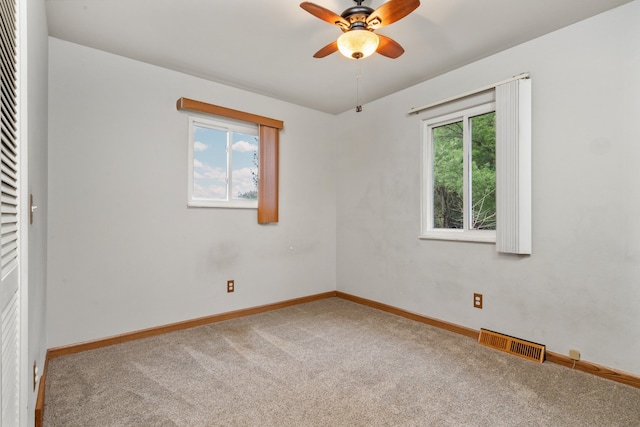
{"x": 513, "y": 167}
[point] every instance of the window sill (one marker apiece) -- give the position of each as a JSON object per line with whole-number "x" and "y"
{"x": 223, "y": 205}
{"x": 460, "y": 236}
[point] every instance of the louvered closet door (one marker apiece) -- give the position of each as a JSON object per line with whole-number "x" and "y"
{"x": 9, "y": 271}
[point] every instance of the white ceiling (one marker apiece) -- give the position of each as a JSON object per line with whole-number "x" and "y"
{"x": 266, "y": 46}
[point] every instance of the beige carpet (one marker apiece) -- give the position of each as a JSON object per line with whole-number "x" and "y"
{"x": 325, "y": 363}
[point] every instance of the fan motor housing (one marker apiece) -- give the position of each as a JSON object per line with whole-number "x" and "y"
{"x": 357, "y": 14}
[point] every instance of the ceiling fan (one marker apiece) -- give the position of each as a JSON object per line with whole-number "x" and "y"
{"x": 358, "y": 24}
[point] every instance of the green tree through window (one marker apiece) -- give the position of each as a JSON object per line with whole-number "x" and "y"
{"x": 483, "y": 172}
{"x": 252, "y": 194}
{"x": 448, "y": 174}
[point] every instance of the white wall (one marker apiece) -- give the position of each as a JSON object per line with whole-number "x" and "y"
{"x": 125, "y": 252}
{"x": 35, "y": 135}
{"x": 580, "y": 288}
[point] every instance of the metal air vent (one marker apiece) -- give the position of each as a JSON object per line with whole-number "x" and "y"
{"x": 522, "y": 348}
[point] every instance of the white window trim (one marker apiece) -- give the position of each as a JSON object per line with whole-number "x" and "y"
{"x": 229, "y": 126}
{"x": 427, "y": 230}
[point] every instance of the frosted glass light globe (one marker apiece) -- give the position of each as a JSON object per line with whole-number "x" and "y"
{"x": 357, "y": 44}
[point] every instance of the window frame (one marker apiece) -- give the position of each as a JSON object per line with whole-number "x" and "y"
{"x": 228, "y": 125}
{"x": 427, "y": 230}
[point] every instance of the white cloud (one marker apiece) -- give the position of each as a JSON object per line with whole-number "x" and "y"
{"x": 215, "y": 192}
{"x": 199, "y": 146}
{"x": 244, "y": 146}
{"x": 209, "y": 182}
{"x": 204, "y": 171}
{"x": 243, "y": 181}
{"x": 216, "y": 173}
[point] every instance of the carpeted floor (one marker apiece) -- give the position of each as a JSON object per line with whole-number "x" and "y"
{"x": 326, "y": 363}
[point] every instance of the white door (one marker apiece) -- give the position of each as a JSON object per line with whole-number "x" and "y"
{"x": 9, "y": 260}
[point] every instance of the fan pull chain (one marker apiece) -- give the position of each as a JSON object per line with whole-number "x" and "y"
{"x": 358, "y": 75}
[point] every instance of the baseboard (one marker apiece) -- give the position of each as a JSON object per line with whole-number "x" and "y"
{"x": 581, "y": 365}
{"x": 594, "y": 369}
{"x": 145, "y": 333}
{"x": 468, "y": 332}
{"x": 585, "y": 366}
{"x": 41, "y": 391}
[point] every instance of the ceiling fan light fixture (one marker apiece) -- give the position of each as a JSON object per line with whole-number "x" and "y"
{"x": 358, "y": 43}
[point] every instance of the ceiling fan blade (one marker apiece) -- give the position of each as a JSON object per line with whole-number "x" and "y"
{"x": 325, "y": 14}
{"x": 389, "y": 47}
{"x": 327, "y": 50}
{"x": 390, "y": 12}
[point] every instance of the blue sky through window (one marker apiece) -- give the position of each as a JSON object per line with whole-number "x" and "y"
{"x": 210, "y": 163}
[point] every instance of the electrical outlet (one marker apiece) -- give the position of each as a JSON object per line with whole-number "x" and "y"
{"x": 477, "y": 300}
{"x": 230, "y": 286}
{"x": 574, "y": 354}
{"x": 35, "y": 375}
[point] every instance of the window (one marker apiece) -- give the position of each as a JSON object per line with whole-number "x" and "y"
{"x": 456, "y": 147}
{"x": 268, "y": 158}
{"x": 459, "y": 175}
{"x": 223, "y": 163}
